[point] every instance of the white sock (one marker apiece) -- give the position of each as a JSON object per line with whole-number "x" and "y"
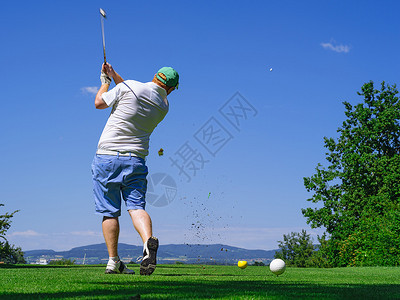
{"x": 114, "y": 259}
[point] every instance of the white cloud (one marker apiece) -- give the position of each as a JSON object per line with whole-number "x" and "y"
{"x": 27, "y": 233}
{"x": 87, "y": 233}
{"x": 332, "y": 45}
{"x": 90, "y": 90}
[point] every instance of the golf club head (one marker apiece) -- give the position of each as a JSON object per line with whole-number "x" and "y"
{"x": 103, "y": 13}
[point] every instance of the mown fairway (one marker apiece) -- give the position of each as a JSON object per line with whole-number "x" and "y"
{"x": 198, "y": 282}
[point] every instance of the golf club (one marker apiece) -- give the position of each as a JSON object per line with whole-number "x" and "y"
{"x": 102, "y": 17}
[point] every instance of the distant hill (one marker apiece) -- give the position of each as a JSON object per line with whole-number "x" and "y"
{"x": 185, "y": 253}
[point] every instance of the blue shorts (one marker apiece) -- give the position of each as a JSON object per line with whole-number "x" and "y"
{"x": 116, "y": 178}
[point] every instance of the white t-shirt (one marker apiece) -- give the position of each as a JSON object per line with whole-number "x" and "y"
{"x": 133, "y": 117}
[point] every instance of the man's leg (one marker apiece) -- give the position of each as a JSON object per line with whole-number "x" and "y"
{"x": 142, "y": 222}
{"x": 111, "y": 234}
{"x": 108, "y": 203}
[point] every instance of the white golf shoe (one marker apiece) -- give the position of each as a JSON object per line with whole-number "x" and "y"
{"x": 117, "y": 268}
{"x": 149, "y": 261}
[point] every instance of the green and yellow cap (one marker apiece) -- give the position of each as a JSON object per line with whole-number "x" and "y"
{"x": 168, "y": 76}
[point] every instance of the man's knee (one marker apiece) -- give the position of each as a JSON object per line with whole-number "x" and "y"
{"x": 108, "y": 218}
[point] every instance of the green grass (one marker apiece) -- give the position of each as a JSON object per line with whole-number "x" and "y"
{"x": 198, "y": 282}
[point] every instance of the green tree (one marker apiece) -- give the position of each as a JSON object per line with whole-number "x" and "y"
{"x": 9, "y": 254}
{"x": 296, "y": 249}
{"x": 62, "y": 262}
{"x": 358, "y": 191}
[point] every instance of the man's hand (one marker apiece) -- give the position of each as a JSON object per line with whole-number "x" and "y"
{"x": 105, "y": 84}
{"x": 108, "y": 69}
{"x": 104, "y": 78}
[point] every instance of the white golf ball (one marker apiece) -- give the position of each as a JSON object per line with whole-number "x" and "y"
{"x": 277, "y": 266}
{"x": 270, "y": 70}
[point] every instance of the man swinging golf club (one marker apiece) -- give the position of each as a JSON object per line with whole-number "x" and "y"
{"x": 119, "y": 169}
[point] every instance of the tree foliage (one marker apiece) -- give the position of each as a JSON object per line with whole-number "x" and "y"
{"x": 5, "y": 223}
{"x": 9, "y": 254}
{"x": 357, "y": 194}
{"x": 62, "y": 262}
{"x": 296, "y": 249}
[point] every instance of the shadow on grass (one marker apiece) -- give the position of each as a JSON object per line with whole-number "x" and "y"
{"x": 205, "y": 289}
{"x": 26, "y": 266}
{"x": 5, "y": 266}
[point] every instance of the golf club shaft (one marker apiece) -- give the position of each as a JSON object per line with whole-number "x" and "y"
{"x": 104, "y": 41}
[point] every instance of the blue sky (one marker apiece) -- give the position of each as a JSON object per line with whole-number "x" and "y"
{"x": 247, "y": 190}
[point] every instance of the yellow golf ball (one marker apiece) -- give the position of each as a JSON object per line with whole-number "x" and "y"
{"x": 242, "y": 264}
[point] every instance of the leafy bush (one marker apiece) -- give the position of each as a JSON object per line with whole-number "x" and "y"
{"x": 62, "y": 262}
{"x": 296, "y": 249}
{"x": 9, "y": 254}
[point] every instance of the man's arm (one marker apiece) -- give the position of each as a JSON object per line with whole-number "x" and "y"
{"x": 98, "y": 101}
{"x": 106, "y": 71}
{"x": 117, "y": 78}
